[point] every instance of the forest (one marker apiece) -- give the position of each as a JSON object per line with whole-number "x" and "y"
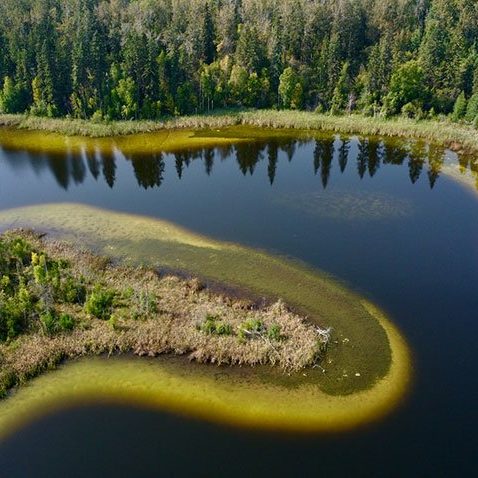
{"x": 146, "y": 59}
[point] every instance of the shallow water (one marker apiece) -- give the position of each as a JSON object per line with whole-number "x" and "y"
{"x": 413, "y": 251}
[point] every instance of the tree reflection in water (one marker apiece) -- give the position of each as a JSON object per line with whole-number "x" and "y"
{"x": 367, "y": 155}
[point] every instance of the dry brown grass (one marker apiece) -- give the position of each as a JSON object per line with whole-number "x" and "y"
{"x": 182, "y": 305}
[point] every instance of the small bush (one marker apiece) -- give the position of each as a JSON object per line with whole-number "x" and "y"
{"x": 66, "y": 322}
{"x": 412, "y": 110}
{"x": 72, "y": 291}
{"x": 212, "y": 326}
{"x": 21, "y": 250}
{"x": 49, "y": 322}
{"x": 251, "y": 328}
{"x": 223, "y": 329}
{"x": 100, "y": 303}
{"x": 274, "y": 333}
{"x": 113, "y": 322}
{"x": 52, "y": 323}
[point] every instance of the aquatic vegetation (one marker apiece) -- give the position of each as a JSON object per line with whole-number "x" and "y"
{"x": 353, "y": 385}
{"x": 141, "y": 240}
{"x": 345, "y": 206}
{"x": 56, "y": 135}
{"x": 49, "y": 331}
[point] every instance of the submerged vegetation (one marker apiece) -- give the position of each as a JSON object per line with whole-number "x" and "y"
{"x": 361, "y": 341}
{"x": 58, "y": 303}
{"x": 443, "y": 132}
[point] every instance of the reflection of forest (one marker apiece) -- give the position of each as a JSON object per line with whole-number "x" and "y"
{"x": 367, "y": 155}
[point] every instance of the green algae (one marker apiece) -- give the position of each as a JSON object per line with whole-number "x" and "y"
{"x": 365, "y": 375}
{"x": 361, "y": 344}
{"x": 166, "y": 140}
{"x": 229, "y": 395}
{"x": 367, "y": 369}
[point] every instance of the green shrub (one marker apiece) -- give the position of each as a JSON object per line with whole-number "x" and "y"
{"x": 72, "y": 291}
{"x": 274, "y": 333}
{"x": 49, "y": 322}
{"x": 251, "y": 328}
{"x": 223, "y": 329}
{"x": 20, "y": 249}
{"x": 113, "y": 322}
{"x": 53, "y": 323}
{"x": 412, "y": 110}
{"x": 5, "y": 283}
{"x": 66, "y": 322}
{"x": 209, "y": 324}
{"x": 213, "y": 326}
{"x": 100, "y": 303}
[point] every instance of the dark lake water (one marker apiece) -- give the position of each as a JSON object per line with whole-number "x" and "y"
{"x": 383, "y": 217}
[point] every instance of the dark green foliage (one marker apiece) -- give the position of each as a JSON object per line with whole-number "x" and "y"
{"x": 72, "y": 291}
{"x": 274, "y": 333}
{"x": 53, "y": 323}
{"x": 213, "y": 326}
{"x": 459, "y": 110}
{"x": 30, "y": 285}
{"x": 66, "y": 322}
{"x": 99, "y": 303}
{"x": 142, "y": 60}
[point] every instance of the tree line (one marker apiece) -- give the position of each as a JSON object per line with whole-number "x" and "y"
{"x": 145, "y": 59}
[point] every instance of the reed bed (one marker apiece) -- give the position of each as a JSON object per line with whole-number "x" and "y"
{"x": 181, "y": 308}
{"x": 440, "y": 130}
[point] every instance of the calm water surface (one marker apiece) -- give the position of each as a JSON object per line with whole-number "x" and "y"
{"x": 382, "y": 217}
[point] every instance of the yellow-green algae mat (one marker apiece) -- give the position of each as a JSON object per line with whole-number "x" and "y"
{"x": 365, "y": 373}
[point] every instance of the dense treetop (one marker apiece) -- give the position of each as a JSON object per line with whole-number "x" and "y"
{"x": 130, "y": 59}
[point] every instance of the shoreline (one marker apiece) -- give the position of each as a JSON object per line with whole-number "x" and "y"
{"x": 137, "y": 240}
{"x": 147, "y": 315}
{"x": 377, "y": 379}
{"x": 457, "y": 137}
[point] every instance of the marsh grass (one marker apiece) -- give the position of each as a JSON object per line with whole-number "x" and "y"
{"x": 135, "y": 310}
{"x": 440, "y": 130}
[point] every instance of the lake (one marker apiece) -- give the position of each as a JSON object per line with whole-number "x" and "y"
{"x": 396, "y": 221}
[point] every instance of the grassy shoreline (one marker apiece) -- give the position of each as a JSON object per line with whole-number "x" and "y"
{"x": 452, "y": 135}
{"x": 43, "y": 319}
{"x": 355, "y": 384}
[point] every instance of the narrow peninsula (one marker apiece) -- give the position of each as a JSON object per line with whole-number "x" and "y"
{"x": 58, "y": 303}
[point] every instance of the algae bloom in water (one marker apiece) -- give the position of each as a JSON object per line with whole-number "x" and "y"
{"x": 365, "y": 372}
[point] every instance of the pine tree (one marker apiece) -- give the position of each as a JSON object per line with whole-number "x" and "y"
{"x": 209, "y": 36}
{"x": 459, "y": 110}
{"x": 340, "y": 99}
{"x": 290, "y": 89}
{"x": 472, "y": 109}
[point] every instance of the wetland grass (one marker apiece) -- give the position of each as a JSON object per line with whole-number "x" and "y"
{"x": 439, "y": 131}
{"x": 58, "y": 303}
